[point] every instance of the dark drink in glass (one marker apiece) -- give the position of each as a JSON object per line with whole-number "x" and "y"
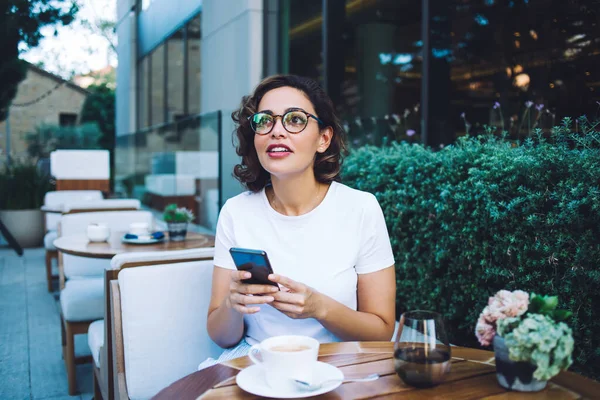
{"x": 421, "y": 351}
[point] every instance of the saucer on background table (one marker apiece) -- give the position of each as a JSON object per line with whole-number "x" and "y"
{"x": 155, "y": 237}
{"x": 252, "y": 380}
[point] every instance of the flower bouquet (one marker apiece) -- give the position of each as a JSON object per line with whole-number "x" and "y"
{"x": 177, "y": 219}
{"x": 531, "y": 342}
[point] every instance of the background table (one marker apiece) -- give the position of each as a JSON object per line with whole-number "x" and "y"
{"x": 473, "y": 376}
{"x": 79, "y": 245}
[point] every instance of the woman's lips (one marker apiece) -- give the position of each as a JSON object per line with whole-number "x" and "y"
{"x": 278, "y": 151}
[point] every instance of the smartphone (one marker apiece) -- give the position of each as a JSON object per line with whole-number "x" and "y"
{"x": 254, "y": 261}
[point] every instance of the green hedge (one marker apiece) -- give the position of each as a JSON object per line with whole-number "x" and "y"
{"x": 486, "y": 214}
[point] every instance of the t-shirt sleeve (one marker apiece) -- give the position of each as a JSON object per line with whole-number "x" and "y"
{"x": 375, "y": 251}
{"x": 224, "y": 239}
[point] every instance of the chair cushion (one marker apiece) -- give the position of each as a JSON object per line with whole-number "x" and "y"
{"x": 164, "y": 310}
{"x": 96, "y": 339}
{"x": 49, "y": 238}
{"x": 83, "y": 299}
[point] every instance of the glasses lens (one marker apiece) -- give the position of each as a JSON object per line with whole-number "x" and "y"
{"x": 295, "y": 121}
{"x": 261, "y": 123}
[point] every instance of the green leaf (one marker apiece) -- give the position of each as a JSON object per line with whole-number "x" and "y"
{"x": 561, "y": 315}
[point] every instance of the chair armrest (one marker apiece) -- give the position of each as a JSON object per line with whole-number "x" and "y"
{"x": 118, "y": 356}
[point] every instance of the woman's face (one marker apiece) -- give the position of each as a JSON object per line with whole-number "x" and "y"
{"x": 280, "y": 152}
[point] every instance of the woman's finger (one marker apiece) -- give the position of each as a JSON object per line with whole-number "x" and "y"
{"x": 245, "y": 310}
{"x": 237, "y": 276}
{"x": 287, "y": 282}
{"x": 256, "y": 289}
{"x": 288, "y": 297}
{"x": 244, "y": 300}
{"x": 288, "y": 308}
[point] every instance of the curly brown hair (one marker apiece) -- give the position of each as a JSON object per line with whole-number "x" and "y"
{"x": 327, "y": 165}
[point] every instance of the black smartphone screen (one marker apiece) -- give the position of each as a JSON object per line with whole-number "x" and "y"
{"x": 254, "y": 261}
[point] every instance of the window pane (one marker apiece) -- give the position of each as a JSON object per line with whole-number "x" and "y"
{"x": 193, "y": 78}
{"x": 382, "y": 87}
{"x": 175, "y": 76}
{"x": 522, "y": 65}
{"x": 143, "y": 69}
{"x": 157, "y": 80}
{"x": 304, "y": 18}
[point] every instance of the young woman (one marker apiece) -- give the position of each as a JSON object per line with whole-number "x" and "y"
{"x": 327, "y": 243}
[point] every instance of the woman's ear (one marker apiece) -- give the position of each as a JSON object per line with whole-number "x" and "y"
{"x": 325, "y": 139}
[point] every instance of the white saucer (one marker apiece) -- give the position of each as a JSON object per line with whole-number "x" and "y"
{"x": 252, "y": 380}
{"x": 142, "y": 240}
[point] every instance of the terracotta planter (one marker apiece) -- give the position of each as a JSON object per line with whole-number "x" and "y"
{"x": 26, "y": 226}
{"x": 514, "y": 375}
{"x": 177, "y": 231}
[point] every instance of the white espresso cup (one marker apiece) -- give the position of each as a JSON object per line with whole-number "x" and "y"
{"x": 285, "y": 358}
{"x": 98, "y": 232}
{"x": 139, "y": 228}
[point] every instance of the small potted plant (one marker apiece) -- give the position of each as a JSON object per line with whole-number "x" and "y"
{"x": 531, "y": 342}
{"x": 177, "y": 219}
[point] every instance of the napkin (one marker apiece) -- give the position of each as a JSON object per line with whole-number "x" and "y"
{"x": 155, "y": 235}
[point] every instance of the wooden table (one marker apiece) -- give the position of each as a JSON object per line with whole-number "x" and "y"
{"x": 473, "y": 376}
{"x": 79, "y": 245}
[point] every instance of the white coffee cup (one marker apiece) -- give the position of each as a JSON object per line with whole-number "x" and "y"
{"x": 98, "y": 232}
{"x": 285, "y": 358}
{"x": 139, "y": 228}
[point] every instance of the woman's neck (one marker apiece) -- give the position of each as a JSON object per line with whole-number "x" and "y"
{"x": 296, "y": 196}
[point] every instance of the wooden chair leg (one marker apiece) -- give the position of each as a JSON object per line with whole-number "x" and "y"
{"x": 97, "y": 391}
{"x": 70, "y": 360}
{"x": 63, "y": 336}
{"x": 49, "y": 257}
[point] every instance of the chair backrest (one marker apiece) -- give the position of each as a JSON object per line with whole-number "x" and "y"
{"x": 81, "y": 169}
{"x": 101, "y": 205}
{"x": 134, "y": 260}
{"x": 76, "y": 224}
{"x": 59, "y": 197}
{"x": 163, "y": 312}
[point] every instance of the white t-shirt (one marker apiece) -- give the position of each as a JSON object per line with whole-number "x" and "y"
{"x": 325, "y": 249}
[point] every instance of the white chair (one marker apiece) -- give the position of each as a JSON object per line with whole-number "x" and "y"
{"x": 81, "y": 169}
{"x": 99, "y": 331}
{"x": 82, "y": 281}
{"x": 158, "y": 328}
{"x": 56, "y": 199}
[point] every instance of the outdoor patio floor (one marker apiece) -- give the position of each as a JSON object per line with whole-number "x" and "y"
{"x": 31, "y": 365}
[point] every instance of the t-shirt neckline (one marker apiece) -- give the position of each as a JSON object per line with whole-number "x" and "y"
{"x": 277, "y": 214}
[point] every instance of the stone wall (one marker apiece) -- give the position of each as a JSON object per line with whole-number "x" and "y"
{"x": 67, "y": 98}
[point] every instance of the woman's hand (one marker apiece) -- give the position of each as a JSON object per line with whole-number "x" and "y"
{"x": 239, "y": 293}
{"x": 296, "y": 300}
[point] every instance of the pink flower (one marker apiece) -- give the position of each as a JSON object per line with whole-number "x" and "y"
{"x": 484, "y": 332}
{"x": 503, "y": 304}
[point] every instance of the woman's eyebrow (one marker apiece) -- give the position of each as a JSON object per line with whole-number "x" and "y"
{"x": 293, "y": 109}
{"x": 286, "y": 110}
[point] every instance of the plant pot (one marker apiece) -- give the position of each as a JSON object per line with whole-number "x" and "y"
{"x": 514, "y": 375}
{"x": 177, "y": 231}
{"x": 26, "y": 226}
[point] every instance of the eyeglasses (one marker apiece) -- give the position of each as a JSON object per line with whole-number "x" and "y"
{"x": 294, "y": 121}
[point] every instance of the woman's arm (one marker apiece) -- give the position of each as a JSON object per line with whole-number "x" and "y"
{"x": 229, "y": 302}
{"x": 374, "y": 320}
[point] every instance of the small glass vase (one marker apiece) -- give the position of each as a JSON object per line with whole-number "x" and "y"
{"x": 177, "y": 231}
{"x": 514, "y": 375}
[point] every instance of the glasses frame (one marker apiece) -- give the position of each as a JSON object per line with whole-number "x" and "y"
{"x": 308, "y": 116}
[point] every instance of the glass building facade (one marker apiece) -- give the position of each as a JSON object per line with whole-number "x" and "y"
{"x": 433, "y": 70}
{"x": 419, "y": 71}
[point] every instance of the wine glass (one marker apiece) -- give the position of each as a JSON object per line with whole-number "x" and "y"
{"x": 421, "y": 351}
